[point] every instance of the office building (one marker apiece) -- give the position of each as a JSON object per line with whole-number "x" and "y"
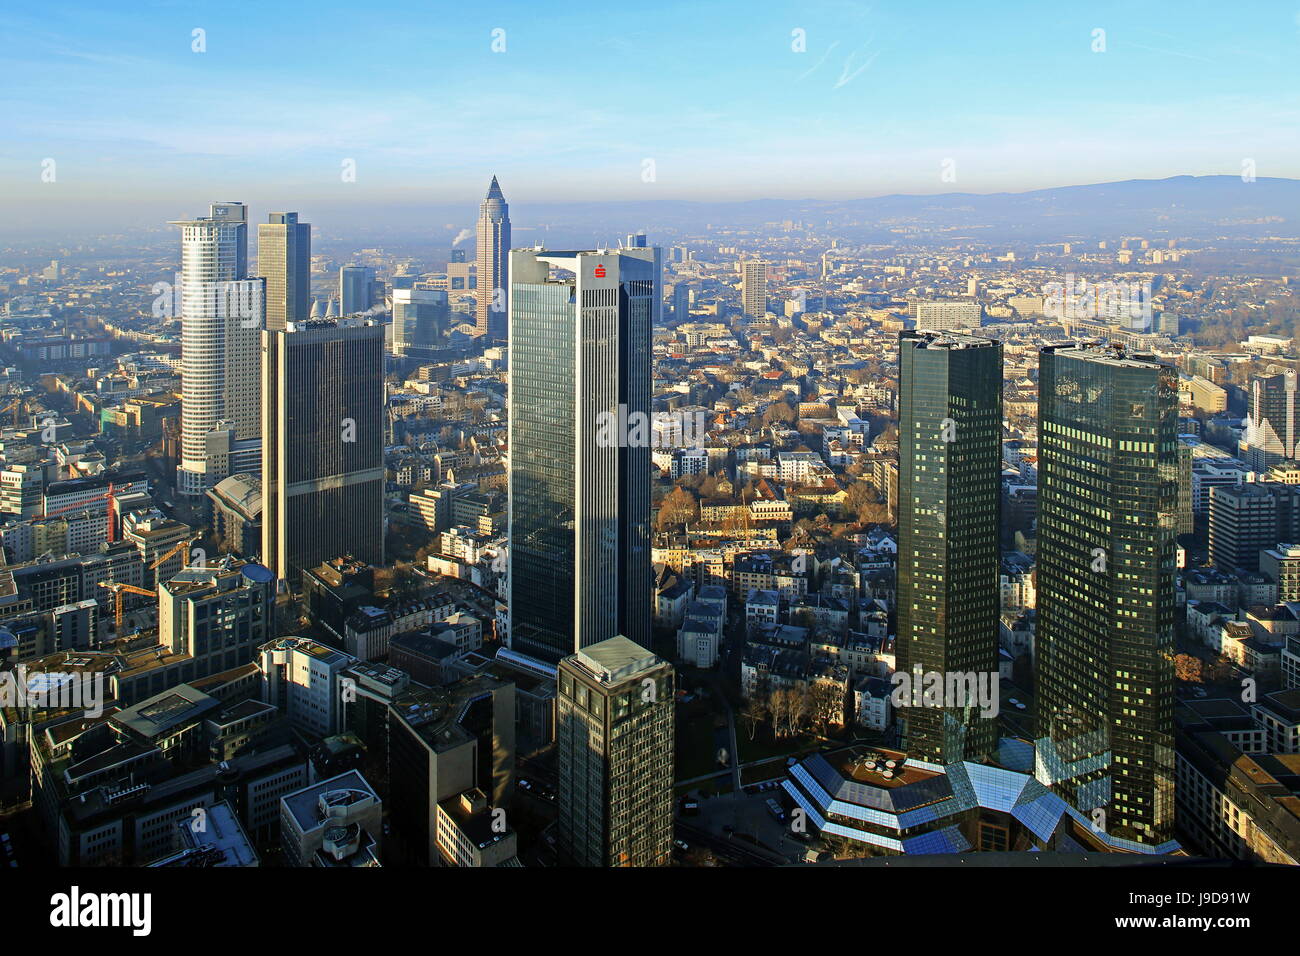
{"x": 284, "y": 260}
{"x": 444, "y": 741}
{"x": 681, "y": 302}
{"x": 753, "y": 288}
{"x": 1107, "y": 511}
{"x": 334, "y": 823}
{"x": 356, "y": 289}
{"x": 614, "y": 729}
{"x": 493, "y": 260}
{"x": 947, "y": 314}
{"x": 949, "y": 499}
{"x": 216, "y": 615}
{"x": 323, "y": 468}
{"x": 222, "y": 313}
{"x": 1273, "y": 422}
{"x": 1249, "y": 518}
{"x": 579, "y": 484}
{"x": 420, "y": 319}
{"x": 300, "y": 677}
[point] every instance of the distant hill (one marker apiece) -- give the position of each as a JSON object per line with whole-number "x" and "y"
{"x": 1203, "y": 206}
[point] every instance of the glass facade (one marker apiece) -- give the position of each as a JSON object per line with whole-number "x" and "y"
{"x": 322, "y": 468}
{"x": 579, "y": 507}
{"x": 949, "y": 484}
{"x": 1108, "y": 494}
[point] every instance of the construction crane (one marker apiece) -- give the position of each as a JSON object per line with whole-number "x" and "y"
{"x": 118, "y": 589}
{"x": 17, "y": 406}
{"x": 179, "y": 546}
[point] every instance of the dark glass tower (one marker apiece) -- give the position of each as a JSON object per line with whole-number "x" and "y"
{"x": 1107, "y": 513}
{"x": 323, "y": 444}
{"x": 579, "y": 505}
{"x": 949, "y": 481}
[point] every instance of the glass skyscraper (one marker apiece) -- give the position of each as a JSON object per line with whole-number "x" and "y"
{"x": 1107, "y": 513}
{"x": 949, "y": 495}
{"x": 323, "y": 444}
{"x": 579, "y": 506}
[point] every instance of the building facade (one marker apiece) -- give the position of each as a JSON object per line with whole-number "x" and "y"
{"x": 493, "y": 261}
{"x": 949, "y": 492}
{"x": 323, "y": 468}
{"x": 1107, "y": 513}
{"x": 222, "y": 313}
{"x": 579, "y": 481}
{"x": 284, "y": 260}
{"x": 614, "y": 728}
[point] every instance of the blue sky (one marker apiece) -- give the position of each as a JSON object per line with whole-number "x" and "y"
{"x": 583, "y": 95}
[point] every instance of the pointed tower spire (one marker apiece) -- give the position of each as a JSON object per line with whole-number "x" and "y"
{"x": 494, "y": 191}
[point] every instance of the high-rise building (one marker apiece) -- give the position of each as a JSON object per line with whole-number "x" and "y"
{"x": 420, "y": 317}
{"x": 1273, "y": 425}
{"x": 614, "y": 736}
{"x": 356, "y": 287}
{"x": 493, "y": 260}
{"x": 949, "y": 499}
{"x": 1107, "y": 513}
{"x": 753, "y": 288}
{"x": 284, "y": 260}
{"x": 222, "y": 314}
{"x": 580, "y": 492}
{"x": 323, "y": 459}
{"x": 947, "y": 314}
{"x": 682, "y": 301}
{"x": 1248, "y": 518}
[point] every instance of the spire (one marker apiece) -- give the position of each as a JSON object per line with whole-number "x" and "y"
{"x": 494, "y": 191}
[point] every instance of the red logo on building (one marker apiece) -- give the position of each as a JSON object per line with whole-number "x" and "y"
{"x": 600, "y": 271}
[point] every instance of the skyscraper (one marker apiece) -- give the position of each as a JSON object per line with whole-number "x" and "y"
{"x": 222, "y": 312}
{"x": 356, "y": 285}
{"x": 284, "y": 260}
{"x": 1273, "y": 425}
{"x": 323, "y": 459}
{"x": 949, "y": 498}
{"x": 753, "y": 288}
{"x": 614, "y": 735}
{"x": 420, "y": 317}
{"x": 579, "y": 502}
{"x": 681, "y": 301}
{"x": 493, "y": 256}
{"x": 1107, "y": 510}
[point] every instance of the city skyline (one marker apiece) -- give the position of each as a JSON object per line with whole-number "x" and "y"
{"x": 800, "y": 436}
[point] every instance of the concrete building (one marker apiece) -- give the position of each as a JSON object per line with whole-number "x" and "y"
{"x": 284, "y": 261}
{"x": 615, "y": 739}
{"x": 222, "y": 313}
{"x": 493, "y": 234}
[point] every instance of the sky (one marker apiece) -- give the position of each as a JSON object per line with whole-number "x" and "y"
{"x": 627, "y": 100}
